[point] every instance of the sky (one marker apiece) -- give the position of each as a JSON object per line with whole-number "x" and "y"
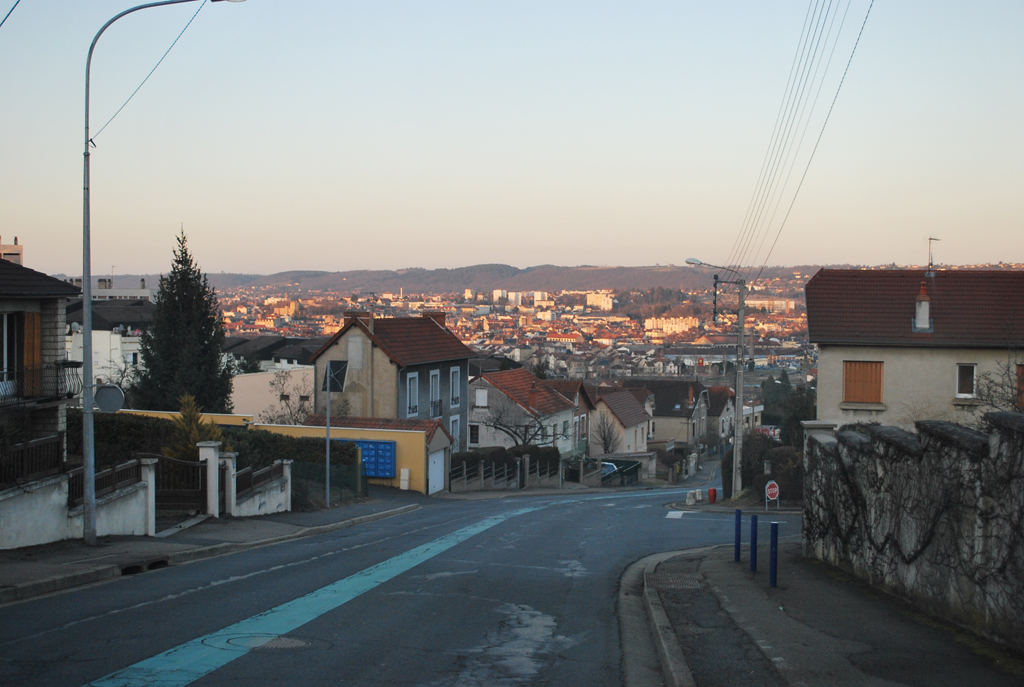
{"x": 332, "y": 135}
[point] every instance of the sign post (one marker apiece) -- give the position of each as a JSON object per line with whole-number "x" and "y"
{"x": 334, "y": 382}
{"x": 771, "y": 493}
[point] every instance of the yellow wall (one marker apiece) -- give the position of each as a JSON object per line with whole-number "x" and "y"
{"x": 371, "y": 379}
{"x": 410, "y": 448}
{"x": 218, "y": 418}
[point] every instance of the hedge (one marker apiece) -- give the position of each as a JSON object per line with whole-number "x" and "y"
{"x": 119, "y": 435}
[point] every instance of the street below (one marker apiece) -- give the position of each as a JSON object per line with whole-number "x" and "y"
{"x": 492, "y": 592}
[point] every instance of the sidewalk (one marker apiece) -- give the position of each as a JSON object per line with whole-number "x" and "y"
{"x": 817, "y": 627}
{"x": 37, "y": 570}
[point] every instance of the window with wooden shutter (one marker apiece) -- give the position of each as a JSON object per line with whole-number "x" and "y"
{"x": 33, "y": 354}
{"x": 862, "y": 381}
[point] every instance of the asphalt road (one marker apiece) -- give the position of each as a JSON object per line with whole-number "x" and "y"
{"x": 502, "y": 592}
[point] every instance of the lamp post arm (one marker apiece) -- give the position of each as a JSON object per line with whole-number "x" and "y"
{"x": 88, "y": 433}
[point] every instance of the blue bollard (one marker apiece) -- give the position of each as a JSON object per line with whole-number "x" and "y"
{"x": 753, "y": 543}
{"x": 739, "y": 535}
{"x": 773, "y": 557}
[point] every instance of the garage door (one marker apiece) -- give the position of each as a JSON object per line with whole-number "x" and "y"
{"x": 435, "y": 476}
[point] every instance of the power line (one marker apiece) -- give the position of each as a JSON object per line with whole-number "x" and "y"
{"x": 201, "y": 5}
{"x": 784, "y": 149}
{"x": 764, "y": 230}
{"x": 9, "y": 12}
{"x": 815, "y": 149}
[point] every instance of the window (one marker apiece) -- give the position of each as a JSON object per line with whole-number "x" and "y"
{"x": 965, "y": 380}
{"x": 862, "y": 381}
{"x": 565, "y": 428}
{"x": 412, "y": 389}
{"x": 474, "y": 434}
{"x": 455, "y": 433}
{"x": 435, "y": 393}
{"x": 455, "y": 387}
{"x": 481, "y": 398}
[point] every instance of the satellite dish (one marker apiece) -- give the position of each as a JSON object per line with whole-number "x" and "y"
{"x": 109, "y": 398}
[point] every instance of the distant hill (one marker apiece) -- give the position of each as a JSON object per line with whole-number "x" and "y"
{"x": 552, "y": 278}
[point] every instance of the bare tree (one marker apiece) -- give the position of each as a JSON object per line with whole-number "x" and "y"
{"x": 509, "y": 418}
{"x": 1004, "y": 388}
{"x": 606, "y": 433}
{"x": 294, "y": 400}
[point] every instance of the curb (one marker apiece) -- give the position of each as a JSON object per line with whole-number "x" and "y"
{"x": 58, "y": 583}
{"x": 673, "y": 662}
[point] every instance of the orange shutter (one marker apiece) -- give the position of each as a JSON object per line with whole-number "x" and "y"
{"x": 862, "y": 382}
{"x": 33, "y": 354}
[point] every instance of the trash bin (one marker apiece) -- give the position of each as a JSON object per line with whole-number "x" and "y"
{"x": 712, "y": 493}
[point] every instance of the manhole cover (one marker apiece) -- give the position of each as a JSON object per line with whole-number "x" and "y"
{"x": 667, "y": 580}
{"x": 257, "y": 643}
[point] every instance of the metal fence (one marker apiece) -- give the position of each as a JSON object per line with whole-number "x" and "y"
{"x": 107, "y": 481}
{"x": 26, "y": 385}
{"x": 32, "y": 460}
{"x": 308, "y": 492}
{"x": 247, "y": 481}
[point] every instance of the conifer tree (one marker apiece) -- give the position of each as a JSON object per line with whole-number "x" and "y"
{"x": 189, "y": 430}
{"x": 181, "y": 350}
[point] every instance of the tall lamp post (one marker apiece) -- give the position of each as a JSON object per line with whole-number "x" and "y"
{"x": 737, "y": 450}
{"x": 88, "y": 444}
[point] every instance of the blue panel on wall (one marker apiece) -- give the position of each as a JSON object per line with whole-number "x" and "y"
{"x": 378, "y": 458}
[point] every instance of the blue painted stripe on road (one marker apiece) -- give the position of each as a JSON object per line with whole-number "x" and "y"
{"x": 189, "y": 662}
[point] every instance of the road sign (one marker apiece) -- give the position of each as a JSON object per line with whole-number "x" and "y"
{"x": 771, "y": 493}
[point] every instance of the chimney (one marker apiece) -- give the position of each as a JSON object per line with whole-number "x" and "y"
{"x": 363, "y": 316}
{"x": 691, "y": 396}
{"x": 533, "y": 395}
{"x": 142, "y": 283}
{"x": 437, "y": 316}
{"x": 922, "y": 320}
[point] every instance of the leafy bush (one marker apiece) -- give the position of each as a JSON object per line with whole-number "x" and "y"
{"x": 259, "y": 448}
{"x": 119, "y": 435}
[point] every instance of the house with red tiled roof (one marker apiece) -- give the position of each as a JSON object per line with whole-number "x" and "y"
{"x": 620, "y": 424}
{"x": 398, "y": 368}
{"x": 515, "y": 407}
{"x": 897, "y": 346}
{"x": 680, "y": 414}
{"x": 584, "y": 402}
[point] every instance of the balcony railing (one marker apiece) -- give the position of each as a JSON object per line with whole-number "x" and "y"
{"x": 32, "y": 460}
{"x": 435, "y": 408}
{"x": 50, "y": 382}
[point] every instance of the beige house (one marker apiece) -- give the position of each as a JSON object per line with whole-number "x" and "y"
{"x": 619, "y": 424}
{"x": 897, "y": 346}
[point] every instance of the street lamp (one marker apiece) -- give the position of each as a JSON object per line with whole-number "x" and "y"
{"x": 737, "y": 450}
{"x": 88, "y": 445}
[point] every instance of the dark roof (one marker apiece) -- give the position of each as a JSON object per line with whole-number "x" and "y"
{"x": 408, "y": 340}
{"x": 428, "y": 427}
{"x": 718, "y": 396}
{"x": 672, "y": 398}
{"x": 570, "y": 388}
{"x": 641, "y": 393}
{"x": 533, "y": 394}
{"x": 258, "y": 348}
{"x": 477, "y": 366}
{"x": 17, "y": 281}
{"x": 133, "y": 314}
{"x": 968, "y": 308}
{"x": 626, "y": 408}
{"x": 302, "y": 350}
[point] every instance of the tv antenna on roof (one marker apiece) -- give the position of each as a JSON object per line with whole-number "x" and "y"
{"x": 931, "y": 267}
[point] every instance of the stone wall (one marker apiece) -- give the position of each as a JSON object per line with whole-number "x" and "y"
{"x": 935, "y": 516}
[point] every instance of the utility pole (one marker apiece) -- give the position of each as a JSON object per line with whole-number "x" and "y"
{"x": 741, "y": 355}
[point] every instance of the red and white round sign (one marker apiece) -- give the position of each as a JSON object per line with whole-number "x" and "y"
{"x": 771, "y": 490}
